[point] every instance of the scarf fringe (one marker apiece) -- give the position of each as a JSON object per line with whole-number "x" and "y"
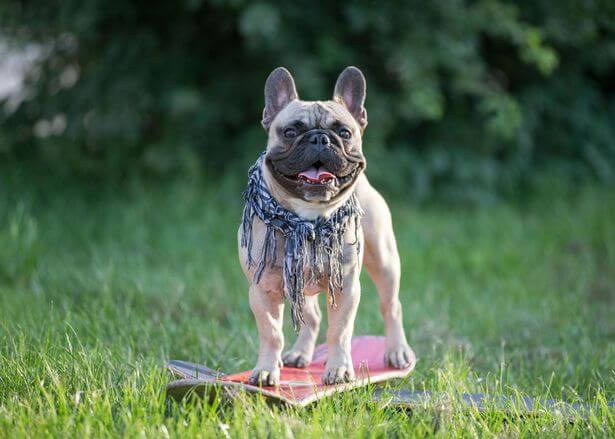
{"x": 312, "y": 248}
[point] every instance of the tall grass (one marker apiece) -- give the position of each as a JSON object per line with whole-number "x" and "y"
{"x": 100, "y": 284}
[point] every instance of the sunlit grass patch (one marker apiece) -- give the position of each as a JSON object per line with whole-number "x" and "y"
{"x": 97, "y": 292}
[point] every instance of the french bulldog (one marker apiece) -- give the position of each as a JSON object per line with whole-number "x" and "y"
{"x": 313, "y": 163}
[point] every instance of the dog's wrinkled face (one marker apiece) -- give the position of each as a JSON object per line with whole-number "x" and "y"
{"x": 314, "y": 149}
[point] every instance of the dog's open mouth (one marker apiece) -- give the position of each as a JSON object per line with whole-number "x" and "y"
{"x": 317, "y": 174}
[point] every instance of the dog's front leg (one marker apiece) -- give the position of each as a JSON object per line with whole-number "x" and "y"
{"x": 268, "y": 310}
{"x": 339, "y": 333}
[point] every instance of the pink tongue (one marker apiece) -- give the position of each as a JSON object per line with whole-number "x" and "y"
{"x": 316, "y": 174}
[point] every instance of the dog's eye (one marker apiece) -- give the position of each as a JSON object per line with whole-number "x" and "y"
{"x": 345, "y": 134}
{"x": 290, "y": 133}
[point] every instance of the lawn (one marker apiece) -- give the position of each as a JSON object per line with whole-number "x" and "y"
{"x": 101, "y": 283}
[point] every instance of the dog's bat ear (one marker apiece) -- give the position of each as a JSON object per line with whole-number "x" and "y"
{"x": 279, "y": 91}
{"x": 350, "y": 90}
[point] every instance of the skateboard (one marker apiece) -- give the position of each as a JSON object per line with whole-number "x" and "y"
{"x": 298, "y": 387}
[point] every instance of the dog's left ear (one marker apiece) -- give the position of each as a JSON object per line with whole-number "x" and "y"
{"x": 350, "y": 90}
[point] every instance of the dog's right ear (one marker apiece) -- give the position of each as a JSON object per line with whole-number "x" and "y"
{"x": 279, "y": 91}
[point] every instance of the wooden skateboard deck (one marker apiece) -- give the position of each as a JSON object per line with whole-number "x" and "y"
{"x": 297, "y": 387}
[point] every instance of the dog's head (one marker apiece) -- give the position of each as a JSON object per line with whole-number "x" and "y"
{"x": 314, "y": 150}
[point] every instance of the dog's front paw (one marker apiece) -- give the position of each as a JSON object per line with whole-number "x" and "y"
{"x": 296, "y": 359}
{"x": 265, "y": 376}
{"x": 399, "y": 356}
{"x": 338, "y": 372}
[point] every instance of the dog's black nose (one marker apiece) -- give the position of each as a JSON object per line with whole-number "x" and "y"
{"x": 319, "y": 139}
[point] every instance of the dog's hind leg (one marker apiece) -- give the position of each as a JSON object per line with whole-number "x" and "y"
{"x": 381, "y": 261}
{"x": 300, "y": 355}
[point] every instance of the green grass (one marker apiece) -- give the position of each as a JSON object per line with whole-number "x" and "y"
{"x": 100, "y": 285}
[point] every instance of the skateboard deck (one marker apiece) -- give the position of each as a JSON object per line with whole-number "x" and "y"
{"x": 298, "y": 387}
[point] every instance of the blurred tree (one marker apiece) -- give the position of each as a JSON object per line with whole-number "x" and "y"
{"x": 465, "y": 95}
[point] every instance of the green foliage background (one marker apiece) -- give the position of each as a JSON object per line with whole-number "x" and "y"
{"x": 469, "y": 97}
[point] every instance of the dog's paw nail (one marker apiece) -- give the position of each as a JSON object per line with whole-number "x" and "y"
{"x": 265, "y": 377}
{"x": 296, "y": 359}
{"x": 338, "y": 375}
{"x": 399, "y": 357}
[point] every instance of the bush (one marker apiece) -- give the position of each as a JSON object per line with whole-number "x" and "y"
{"x": 467, "y": 95}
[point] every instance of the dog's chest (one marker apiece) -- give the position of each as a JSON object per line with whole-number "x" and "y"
{"x": 315, "y": 275}
{"x": 316, "y": 264}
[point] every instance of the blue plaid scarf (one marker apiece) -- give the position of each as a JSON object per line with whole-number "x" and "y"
{"x": 313, "y": 247}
